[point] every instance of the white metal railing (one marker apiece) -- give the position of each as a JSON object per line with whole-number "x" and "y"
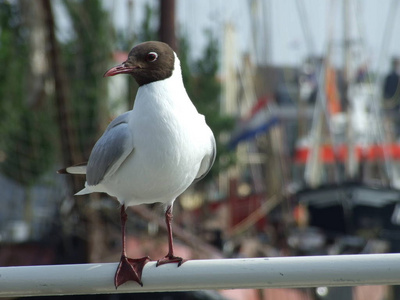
{"x": 257, "y": 273}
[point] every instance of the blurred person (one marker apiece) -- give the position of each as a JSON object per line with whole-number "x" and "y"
{"x": 390, "y": 88}
{"x": 391, "y": 99}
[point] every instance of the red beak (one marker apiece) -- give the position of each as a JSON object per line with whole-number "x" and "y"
{"x": 120, "y": 69}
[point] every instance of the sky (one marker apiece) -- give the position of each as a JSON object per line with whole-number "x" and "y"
{"x": 289, "y": 38}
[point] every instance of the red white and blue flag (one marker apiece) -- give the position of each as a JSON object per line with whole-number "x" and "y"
{"x": 259, "y": 120}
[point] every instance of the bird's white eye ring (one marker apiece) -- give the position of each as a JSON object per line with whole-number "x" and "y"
{"x": 151, "y": 56}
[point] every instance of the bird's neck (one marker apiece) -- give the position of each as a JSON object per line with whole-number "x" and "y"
{"x": 166, "y": 94}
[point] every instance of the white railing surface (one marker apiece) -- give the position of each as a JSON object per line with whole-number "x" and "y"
{"x": 257, "y": 273}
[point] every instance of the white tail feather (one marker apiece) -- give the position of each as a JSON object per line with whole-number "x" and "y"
{"x": 84, "y": 191}
{"x": 76, "y": 169}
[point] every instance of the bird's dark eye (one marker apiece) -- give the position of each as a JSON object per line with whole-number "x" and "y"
{"x": 151, "y": 56}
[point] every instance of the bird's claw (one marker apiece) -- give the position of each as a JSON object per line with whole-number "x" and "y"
{"x": 168, "y": 259}
{"x": 130, "y": 269}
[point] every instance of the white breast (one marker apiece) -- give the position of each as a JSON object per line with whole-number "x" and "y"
{"x": 170, "y": 140}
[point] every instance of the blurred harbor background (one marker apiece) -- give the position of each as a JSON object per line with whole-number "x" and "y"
{"x": 302, "y": 96}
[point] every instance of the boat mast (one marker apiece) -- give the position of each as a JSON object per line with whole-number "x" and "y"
{"x": 351, "y": 166}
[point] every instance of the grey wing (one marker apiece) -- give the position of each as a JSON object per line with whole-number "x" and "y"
{"x": 110, "y": 151}
{"x": 207, "y": 161}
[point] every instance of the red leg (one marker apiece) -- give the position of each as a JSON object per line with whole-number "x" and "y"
{"x": 128, "y": 268}
{"x": 170, "y": 258}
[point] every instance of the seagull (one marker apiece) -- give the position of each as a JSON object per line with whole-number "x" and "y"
{"x": 153, "y": 152}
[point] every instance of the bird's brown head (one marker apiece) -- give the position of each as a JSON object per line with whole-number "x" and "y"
{"x": 147, "y": 62}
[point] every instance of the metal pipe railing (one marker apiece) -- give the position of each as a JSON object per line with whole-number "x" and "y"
{"x": 254, "y": 273}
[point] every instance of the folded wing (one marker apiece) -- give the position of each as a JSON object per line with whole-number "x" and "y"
{"x": 110, "y": 151}
{"x": 208, "y": 160}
